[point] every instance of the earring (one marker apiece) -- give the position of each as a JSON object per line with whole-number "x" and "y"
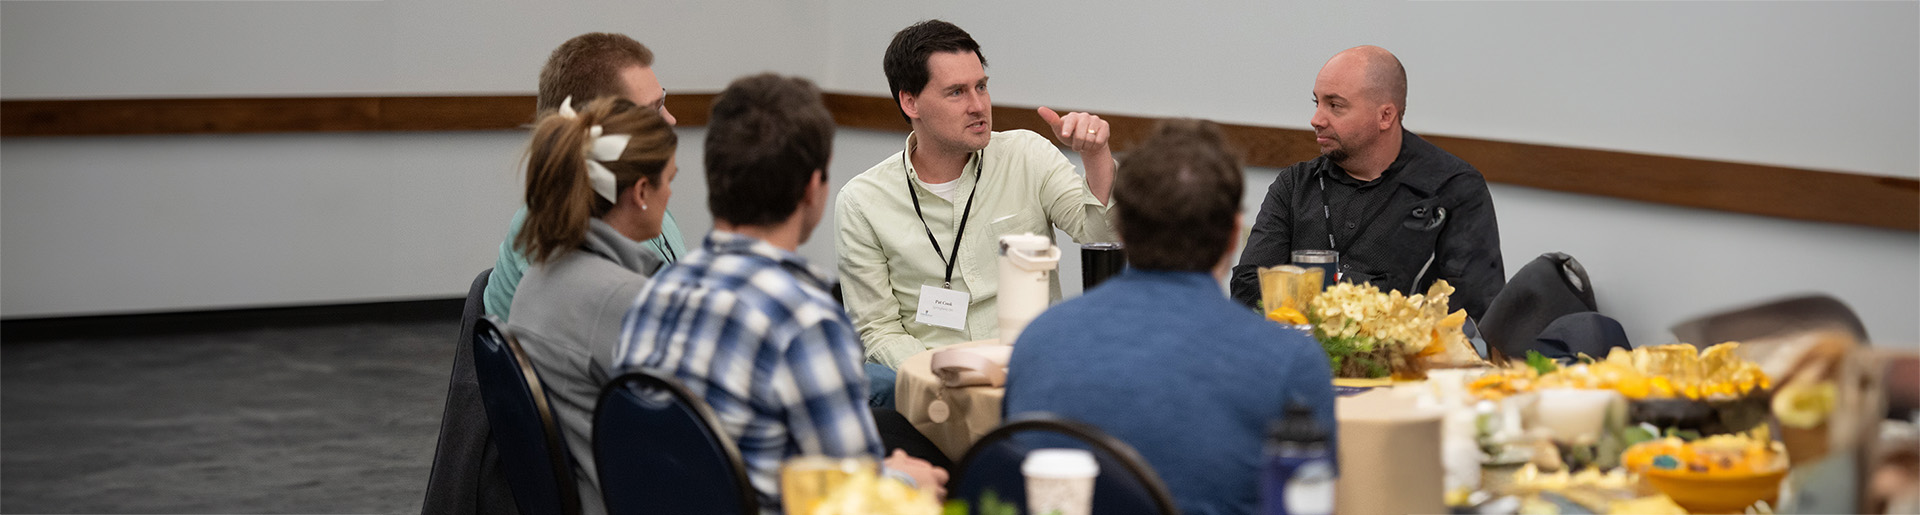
{"x": 643, "y": 206}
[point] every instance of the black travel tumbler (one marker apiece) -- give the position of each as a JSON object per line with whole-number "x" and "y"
{"x": 1099, "y": 261}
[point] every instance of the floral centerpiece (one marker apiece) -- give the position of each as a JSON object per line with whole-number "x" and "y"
{"x": 866, "y": 493}
{"x": 1370, "y": 334}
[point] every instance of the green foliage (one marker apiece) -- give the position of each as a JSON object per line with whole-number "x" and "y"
{"x": 1541, "y": 363}
{"x": 1636, "y": 434}
{"x": 1357, "y": 350}
{"x": 1684, "y": 434}
{"x": 990, "y": 504}
{"x": 1338, "y": 348}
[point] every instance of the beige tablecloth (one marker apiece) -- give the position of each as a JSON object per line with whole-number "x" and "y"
{"x": 972, "y": 411}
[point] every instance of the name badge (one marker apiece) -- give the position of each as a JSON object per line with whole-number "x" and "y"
{"x": 942, "y": 307}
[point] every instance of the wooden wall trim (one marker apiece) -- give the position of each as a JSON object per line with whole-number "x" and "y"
{"x": 1795, "y": 193}
{"x": 1821, "y": 196}
{"x": 261, "y": 115}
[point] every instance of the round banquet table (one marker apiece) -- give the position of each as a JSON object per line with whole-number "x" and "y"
{"x": 1386, "y": 443}
{"x": 971, "y": 411}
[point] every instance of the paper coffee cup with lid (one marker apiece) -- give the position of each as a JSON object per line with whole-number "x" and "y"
{"x": 1060, "y": 481}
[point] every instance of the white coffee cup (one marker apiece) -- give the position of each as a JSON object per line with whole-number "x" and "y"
{"x": 1576, "y": 416}
{"x": 1060, "y": 481}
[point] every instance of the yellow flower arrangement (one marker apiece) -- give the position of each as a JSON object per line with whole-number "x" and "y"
{"x": 1367, "y": 333}
{"x": 1653, "y": 372}
{"x": 866, "y": 493}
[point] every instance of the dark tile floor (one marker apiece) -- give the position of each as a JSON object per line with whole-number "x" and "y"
{"x": 322, "y": 419}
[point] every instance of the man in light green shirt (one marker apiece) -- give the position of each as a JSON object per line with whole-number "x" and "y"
{"x": 585, "y": 68}
{"x": 957, "y": 186}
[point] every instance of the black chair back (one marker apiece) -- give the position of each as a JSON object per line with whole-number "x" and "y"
{"x": 659, "y": 450}
{"x": 1126, "y": 485}
{"x": 531, "y": 449}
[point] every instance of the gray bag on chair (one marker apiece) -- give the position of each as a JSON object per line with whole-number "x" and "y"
{"x": 1549, "y": 287}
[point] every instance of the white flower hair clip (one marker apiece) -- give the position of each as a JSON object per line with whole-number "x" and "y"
{"x": 604, "y": 148}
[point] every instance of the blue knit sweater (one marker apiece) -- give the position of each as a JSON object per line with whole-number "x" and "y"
{"x": 1165, "y": 362}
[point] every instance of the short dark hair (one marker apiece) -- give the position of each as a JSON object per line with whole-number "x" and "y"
{"x": 1175, "y": 197}
{"x": 906, "y": 59}
{"x": 766, "y": 136}
{"x": 588, "y": 67}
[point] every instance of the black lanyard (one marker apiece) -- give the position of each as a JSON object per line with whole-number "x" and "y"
{"x": 665, "y": 252}
{"x": 1327, "y": 211}
{"x": 979, "y": 158}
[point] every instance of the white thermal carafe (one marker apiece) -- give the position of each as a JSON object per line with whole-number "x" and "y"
{"x": 1025, "y": 262}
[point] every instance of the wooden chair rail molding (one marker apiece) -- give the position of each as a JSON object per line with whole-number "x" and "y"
{"x": 1873, "y": 201}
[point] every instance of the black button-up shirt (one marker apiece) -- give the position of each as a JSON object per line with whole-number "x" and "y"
{"x": 1427, "y": 217}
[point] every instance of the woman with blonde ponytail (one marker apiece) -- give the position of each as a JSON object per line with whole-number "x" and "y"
{"x": 598, "y": 180}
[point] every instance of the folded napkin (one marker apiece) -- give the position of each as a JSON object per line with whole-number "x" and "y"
{"x": 973, "y": 366}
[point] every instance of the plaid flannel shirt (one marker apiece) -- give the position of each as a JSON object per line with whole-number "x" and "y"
{"x": 750, "y": 328}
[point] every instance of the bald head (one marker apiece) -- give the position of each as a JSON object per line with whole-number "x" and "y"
{"x": 1380, "y": 72}
{"x": 1360, "y": 98}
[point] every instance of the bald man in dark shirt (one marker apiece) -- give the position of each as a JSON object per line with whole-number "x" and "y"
{"x": 1401, "y": 212}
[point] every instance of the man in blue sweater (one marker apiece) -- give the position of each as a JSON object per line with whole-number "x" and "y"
{"x": 1159, "y": 357}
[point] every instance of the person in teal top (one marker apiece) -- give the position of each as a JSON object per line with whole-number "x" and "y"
{"x": 585, "y": 68}
{"x": 511, "y": 265}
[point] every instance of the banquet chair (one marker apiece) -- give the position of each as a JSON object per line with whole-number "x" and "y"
{"x": 1126, "y": 485}
{"x": 1772, "y": 319}
{"x": 659, "y": 450}
{"x": 538, "y": 468}
{"x": 466, "y": 478}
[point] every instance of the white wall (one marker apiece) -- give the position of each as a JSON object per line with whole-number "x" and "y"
{"x": 396, "y": 47}
{"x": 164, "y": 223}
{"x": 132, "y": 224}
{"x": 128, "y": 224}
{"x": 1655, "y": 265}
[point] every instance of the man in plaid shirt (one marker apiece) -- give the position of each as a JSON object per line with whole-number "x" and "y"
{"x": 745, "y": 322}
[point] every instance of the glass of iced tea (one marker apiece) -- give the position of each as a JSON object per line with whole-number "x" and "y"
{"x": 805, "y": 481}
{"x": 1290, "y": 286}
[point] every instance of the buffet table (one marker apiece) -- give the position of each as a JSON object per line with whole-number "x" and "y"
{"x": 1527, "y": 434}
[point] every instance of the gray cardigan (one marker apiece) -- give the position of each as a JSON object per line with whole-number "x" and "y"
{"x": 567, "y": 316}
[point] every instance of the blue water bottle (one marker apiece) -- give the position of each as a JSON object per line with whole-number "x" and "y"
{"x": 1298, "y": 475}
